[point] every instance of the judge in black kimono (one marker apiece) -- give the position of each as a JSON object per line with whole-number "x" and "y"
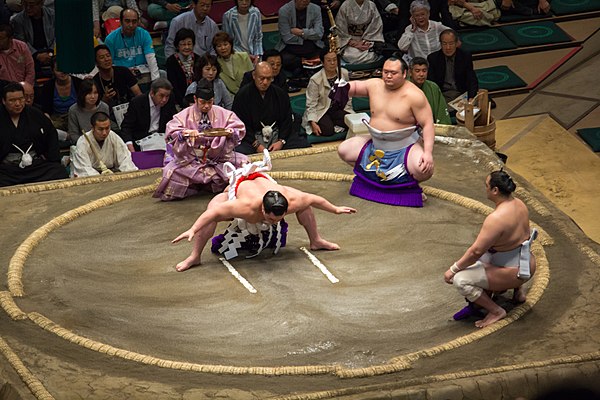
{"x": 29, "y": 150}
{"x": 266, "y": 112}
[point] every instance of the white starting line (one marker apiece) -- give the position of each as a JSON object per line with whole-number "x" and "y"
{"x": 320, "y": 265}
{"x": 237, "y": 275}
{"x": 317, "y": 263}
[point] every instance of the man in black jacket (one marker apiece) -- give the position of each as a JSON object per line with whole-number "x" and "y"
{"x": 451, "y": 68}
{"x": 148, "y": 113}
{"x": 266, "y": 112}
{"x": 28, "y": 142}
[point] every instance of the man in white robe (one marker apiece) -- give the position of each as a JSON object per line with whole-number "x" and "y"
{"x": 359, "y": 25}
{"x": 100, "y": 145}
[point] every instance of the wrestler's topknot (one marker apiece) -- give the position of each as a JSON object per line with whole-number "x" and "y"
{"x": 502, "y": 180}
{"x": 275, "y": 203}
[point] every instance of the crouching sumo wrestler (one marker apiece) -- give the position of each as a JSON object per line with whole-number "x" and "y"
{"x": 501, "y": 258}
{"x": 256, "y": 205}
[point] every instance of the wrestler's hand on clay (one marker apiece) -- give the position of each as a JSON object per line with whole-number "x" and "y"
{"x": 448, "y": 276}
{"x": 426, "y": 163}
{"x": 189, "y": 235}
{"x": 344, "y": 210}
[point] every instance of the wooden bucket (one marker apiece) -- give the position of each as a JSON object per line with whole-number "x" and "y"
{"x": 483, "y": 126}
{"x": 486, "y": 133}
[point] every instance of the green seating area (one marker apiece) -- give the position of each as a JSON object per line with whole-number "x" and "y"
{"x": 511, "y": 37}
{"x": 499, "y": 77}
{"x": 591, "y": 136}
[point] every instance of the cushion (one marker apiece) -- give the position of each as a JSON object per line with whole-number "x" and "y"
{"x": 562, "y": 7}
{"x": 499, "y": 77}
{"x": 312, "y": 139}
{"x": 591, "y": 136}
{"x": 535, "y": 33}
{"x": 483, "y": 40}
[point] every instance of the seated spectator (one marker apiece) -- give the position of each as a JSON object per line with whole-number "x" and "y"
{"x": 182, "y": 66}
{"x": 210, "y": 69}
{"x": 243, "y": 23}
{"x": 196, "y": 19}
{"x": 35, "y": 26}
{"x": 29, "y": 93}
{"x": 116, "y": 85}
{"x": 391, "y": 17}
{"x": 360, "y": 26}
{"x": 16, "y": 63}
{"x": 418, "y": 75}
{"x": 301, "y": 32}
{"x": 233, "y": 64}
{"x": 524, "y": 7}
{"x": 421, "y": 37}
{"x": 163, "y": 11}
{"x": 197, "y": 163}
{"x": 88, "y": 103}
{"x": 148, "y": 113}
{"x": 322, "y": 117}
{"x": 57, "y": 95}
{"x": 438, "y": 12}
{"x": 108, "y": 10}
{"x": 267, "y": 114}
{"x": 463, "y": 78}
{"x": 99, "y": 148}
{"x": 29, "y": 149}
{"x": 131, "y": 47}
{"x": 474, "y": 12}
{"x": 273, "y": 57}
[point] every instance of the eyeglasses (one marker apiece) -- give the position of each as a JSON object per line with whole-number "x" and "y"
{"x": 17, "y": 100}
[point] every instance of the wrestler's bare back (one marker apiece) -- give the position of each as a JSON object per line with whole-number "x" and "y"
{"x": 508, "y": 224}
{"x": 248, "y": 204}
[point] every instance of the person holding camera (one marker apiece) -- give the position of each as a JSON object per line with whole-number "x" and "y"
{"x": 116, "y": 85}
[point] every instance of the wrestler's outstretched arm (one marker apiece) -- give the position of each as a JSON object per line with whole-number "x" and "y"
{"x": 306, "y": 217}
{"x": 220, "y": 212}
{"x": 323, "y": 204}
{"x": 359, "y": 88}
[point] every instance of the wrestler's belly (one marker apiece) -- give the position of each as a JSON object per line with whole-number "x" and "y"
{"x": 386, "y": 123}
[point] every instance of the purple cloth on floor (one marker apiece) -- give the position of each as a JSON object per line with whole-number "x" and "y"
{"x": 466, "y": 312}
{"x": 148, "y": 159}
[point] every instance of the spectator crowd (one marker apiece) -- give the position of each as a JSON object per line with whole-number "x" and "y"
{"x": 131, "y": 99}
